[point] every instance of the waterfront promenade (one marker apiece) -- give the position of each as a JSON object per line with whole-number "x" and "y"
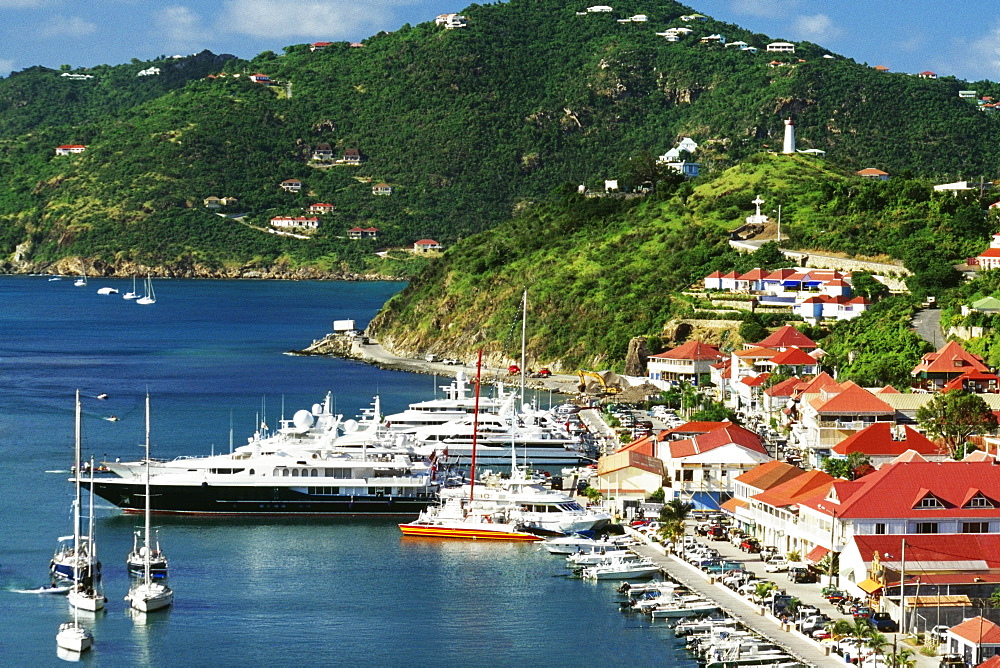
{"x": 805, "y": 650}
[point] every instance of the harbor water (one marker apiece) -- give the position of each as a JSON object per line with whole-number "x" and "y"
{"x": 253, "y": 591}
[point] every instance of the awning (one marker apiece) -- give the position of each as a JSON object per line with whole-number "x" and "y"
{"x": 732, "y": 505}
{"x": 949, "y": 601}
{"x": 816, "y": 554}
{"x": 869, "y": 586}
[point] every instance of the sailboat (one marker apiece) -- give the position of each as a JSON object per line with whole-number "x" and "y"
{"x": 73, "y": 560}
{"x": 86, "y": 593}
{"x": 133, "y": 294}
{"x": 136, "y": 559}
{"x": 148, "y": 595}
{"x": 73, "y": 636}
{"x": 150, "y": 296}
{"x": 455, "y": 520}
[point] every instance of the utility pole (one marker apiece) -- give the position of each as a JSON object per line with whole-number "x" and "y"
{"x": 902, "y": 601}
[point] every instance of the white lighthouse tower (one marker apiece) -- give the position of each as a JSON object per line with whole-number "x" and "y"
{"x": 789, "y": 145}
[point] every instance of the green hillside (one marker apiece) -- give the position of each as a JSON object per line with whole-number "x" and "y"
{"x": 466, "y": 125}
{"x": 600, "y": 271}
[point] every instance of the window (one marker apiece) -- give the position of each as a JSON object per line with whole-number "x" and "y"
{"x": 927, "y": 527}
{"x": 688, "y": 476}
{"x": 975, "y": 527}
{"x": 979, "y": 501}
{"x": 880, "y": 528}
{"x": 929, "y": 501}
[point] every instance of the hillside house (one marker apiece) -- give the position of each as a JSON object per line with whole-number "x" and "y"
{"x": 70, "y": 149}
{"x": 781, "y": 47}
{"x": 149, "y": 72}
{"x": 874, "y": 174}
{"x": 260, "y": 78}
{"x": 836, "y": 412}
{"x": 945, "y": 365}
{"x": 451, "y": 21}
{"x": 321, "y": 208}
{"x": 881, "y": 68}
{"x": 322, "y": 152}
{"x": 690, "y": 362}
{"x": 213, "y": 202}
{"x": 382, "y": 189}
{"x": 990, "y": 258}
{"x": 291, "y": 185}
{"x": 302, "y": 223}
{"x": 362, "y": 233}
{"x": 356, "y": 45}
{"x": 73, "y": 76}
{"x": 426, "y": 246}
{"x": 828, "y": 307}
{"x": 637, "y": 18}
{"x": 927, "y": 75}
{"x": 713, "y": 39}
{"x": 688, "y": 18}
{"x": 319, "y": 46}
{"x": 956, "y": 187}
{"x": 351, "y": 156}
{"x": 599, "y": 9}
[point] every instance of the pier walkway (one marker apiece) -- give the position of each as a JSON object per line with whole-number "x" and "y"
{"x": 736, "y": 606}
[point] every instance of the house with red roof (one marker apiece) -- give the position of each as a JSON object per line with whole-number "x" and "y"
{"x": 319, "y": 46}
{"x": 321, "y": 207}
{"x": 883, "y": 442}
{"x": 837, "y": 412}
{"x": 70, "y": 149}
{"x": 630, "y": 473}
{"x": 776, "y": 398}
{"x": 989, "y": 258}
{"x": 758, "y": 479}
{"x": 690, "y": 362}
{"x": 976, "y": 640}
{"x": 927, "y": 75}
{"x": 774, "y": 512}
{"x": 872, "y": 173}
{"x": 951, "y": 361}
{"x": 794, "y": 360}
{"x": 351, "y": 156}
{"x": 831, "y": 307}
{"x": 382, "y": 189}
{"x": 426, "y": 246}
{"x": 291, "y": 185}
{"x": 703, "y": 468}
{"x": 260, "y": 78}
{"x": 363, "y": 233}
{"x": 787, "y": 337}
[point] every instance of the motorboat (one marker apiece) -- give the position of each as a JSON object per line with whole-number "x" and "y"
{"x": 148, "y": 595}
{"x": 47, "y": 589}
{"x": 458, "y": 402}
{"x": 582, "y": 559}
{"x": 306, "y": 467}
{"x": 107, "y": 291}
{"x": 582, "y": 543}
{"x": 683, "y": 608}
{"x": 622, "y": 569}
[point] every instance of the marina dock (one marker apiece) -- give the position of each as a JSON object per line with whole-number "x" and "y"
{"x": 734, "y": 605}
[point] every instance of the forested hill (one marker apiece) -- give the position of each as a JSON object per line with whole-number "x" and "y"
{"x": 464, "y": 125}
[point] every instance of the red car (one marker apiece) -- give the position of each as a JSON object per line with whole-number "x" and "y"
{"x": 750, "y": 545}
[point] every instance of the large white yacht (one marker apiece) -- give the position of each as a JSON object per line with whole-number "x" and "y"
{"x": 458, "y": 402}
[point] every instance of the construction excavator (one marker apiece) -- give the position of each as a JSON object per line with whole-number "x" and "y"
{"x": 607, "y": 381}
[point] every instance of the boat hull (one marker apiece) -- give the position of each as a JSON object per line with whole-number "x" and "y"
{"x": 74, "y": 638}
{"x": 445, "y": 531}
{"x": 249, "y": 500}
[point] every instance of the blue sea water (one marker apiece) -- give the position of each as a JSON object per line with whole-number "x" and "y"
{"x": 253, "y": 592}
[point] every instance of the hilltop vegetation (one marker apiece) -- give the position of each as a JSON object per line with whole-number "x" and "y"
{"x": 466, "y": 125}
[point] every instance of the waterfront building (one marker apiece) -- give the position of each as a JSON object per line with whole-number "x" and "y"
{"x": 755, "y": 481}
{"x": 775, "y": 512}
{"x": 690, "y": 362}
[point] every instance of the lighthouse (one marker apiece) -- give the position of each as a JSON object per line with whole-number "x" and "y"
{"x": 789, "y": 145}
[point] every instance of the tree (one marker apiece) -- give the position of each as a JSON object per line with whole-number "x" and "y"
{"x": 672, "y": 517}
{"x": 865, "y": 285}
{"x": 901, "y": 659}
{"x": 954, "y": 416}
{"x": 850, "y": 468}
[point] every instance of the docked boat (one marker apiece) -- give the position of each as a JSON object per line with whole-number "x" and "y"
{"x": 458, "y": 402}
{"x": 148, "y": 595}
{"x": 307, "y": 468}
{"x": 452, "y": 520}
{"x": 622, "y": 569}
{"x": 578, "y": 542}
{"x": 583, "y": 559}
{"x": 683, "y": 608}
{"x": 74, "y": 560}
{"x": 87, "y": 593}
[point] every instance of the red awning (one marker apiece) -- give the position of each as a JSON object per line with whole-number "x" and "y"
{"x": 816, "y": 554}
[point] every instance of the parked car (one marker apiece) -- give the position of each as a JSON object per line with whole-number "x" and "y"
{"x": 802, "y": 575}
{"x": 834, "y": 596}
{"x": 776, "y": 565}
{"x": 952, "y": 661}
{"x": 750, "y": 545}
{"x": 767, "y": 552}
{"x": 717, "y": 533}
{"x": 862, "y": 611}
{"x": 813, "y": 622}
{"x": 939, "y": 633}
{"x": 883, "y": 622}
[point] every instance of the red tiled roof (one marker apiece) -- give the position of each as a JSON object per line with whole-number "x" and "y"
{"x": 715, "y": 274}
{"x": 769, "y": 474}
{"x": 72, "y": 146}
{"x": 877, "y": 440}
{"x": 780, "y": 274}
{"x": 958, "y": 382}
{"x": 646, "y": 445}
{"x": 696, "y": 428}
{"x": 728, "y": 435}
{"x": 755, "y": 381}
{"x": 754, "y": 275}
{"x": 783, "y": 389}
{"x": 793, "y": 357}
{"x": 978, "y": 630}
{"x": 889, "y": 492}
{"x": 888, "y": 389}
{"x": 992, "y": 662}
{"x": 951, "y": 358}
{"x": 758, "y": 352}
{"x": 817, "y": 384}
{"x": 816, "y": 554}
{"x": 870, "y": 171}
{"x": 732, "y": 505}
{"x": 692, "y": 350}
{"x": 853, "y": 400}
{"x": 787, "y": 337}
{"x": 941, "y": 547}
{"x": 808, "y": 485}
{"x": 426, "y": 242}
{"x": 990, "y": 252}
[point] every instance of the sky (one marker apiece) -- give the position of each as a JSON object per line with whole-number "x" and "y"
{"x": 959, "y": 38}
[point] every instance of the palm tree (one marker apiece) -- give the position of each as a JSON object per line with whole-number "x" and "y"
{"x": 672, "y": 517}
{"x": 859, "y": 630}
{"x": 792, "y": 608}
{"x": 877, "y": 642}
{"x": 902, "y": 659}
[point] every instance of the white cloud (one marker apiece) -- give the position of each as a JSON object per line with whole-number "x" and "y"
{"x": 309, "y": 18}
{"x": 814, "y": 28}
{"x": 977, "y": 59}
{"x": 67, "y": 26}
{"x": 6, "y": 67}
{"x": 180, "y": 26}
{"x": 22, "y": 4}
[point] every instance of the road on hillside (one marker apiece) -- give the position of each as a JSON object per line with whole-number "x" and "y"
{"x": 927, "y": 323}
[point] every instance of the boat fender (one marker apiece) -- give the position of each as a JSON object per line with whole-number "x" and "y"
{"x": 315, "y": 456}
{"x": 489, "y": 520}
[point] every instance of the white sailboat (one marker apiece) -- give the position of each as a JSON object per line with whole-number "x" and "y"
{"x": 73, "y": 636}
{"x": 87, "y": 593}
{"x": 150, "y": 296}
{"x": 133, "y": 294}
{"x": 148, "y": 595}
{"x": 82, "y": 281}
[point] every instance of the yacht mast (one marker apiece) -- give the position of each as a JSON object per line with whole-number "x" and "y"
{"x": 146, "y": 539}
{"x": 524, "y": 331}
{"x": 475, "y": 425}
